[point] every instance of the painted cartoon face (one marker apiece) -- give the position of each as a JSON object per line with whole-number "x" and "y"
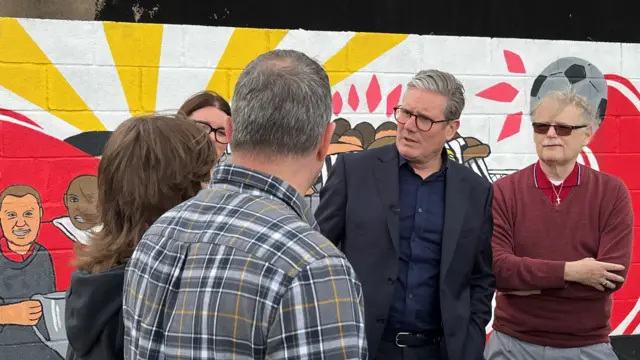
{"x": 20, "y": 219}
{"x": 81, "y": 202}
{"x": 550, "y": 146}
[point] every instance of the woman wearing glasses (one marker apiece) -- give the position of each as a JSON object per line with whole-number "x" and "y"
{"x": 210, "y": 110}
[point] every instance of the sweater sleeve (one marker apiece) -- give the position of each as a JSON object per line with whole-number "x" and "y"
{"x": 616, "y": 244}
{"x": 513, "y": 272}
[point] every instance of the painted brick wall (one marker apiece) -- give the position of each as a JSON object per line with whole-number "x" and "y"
{"x": 64, "y": 85}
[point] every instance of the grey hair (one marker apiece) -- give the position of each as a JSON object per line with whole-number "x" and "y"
{"x": 445, "y": 84}
{"x": 569, "y": 97}
{"x": 281, "y": 105}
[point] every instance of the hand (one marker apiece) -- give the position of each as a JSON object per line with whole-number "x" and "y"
{"x": 593, "y": 273}
{"x": 523, "y": 292}
{"x": 25, "y": 313}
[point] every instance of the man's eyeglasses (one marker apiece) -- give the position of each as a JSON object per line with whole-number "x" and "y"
{"x": 219, "y": 133}
{"x": 560, "y": 129}
{"x": 423, "y": 123}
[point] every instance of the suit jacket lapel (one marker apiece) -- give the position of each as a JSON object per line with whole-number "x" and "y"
{"x": 386, "y": 175}
{"x": 455, "y": 209}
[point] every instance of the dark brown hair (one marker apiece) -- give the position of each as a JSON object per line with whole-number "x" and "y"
{"x": 150, "y": 164}
{"x": 205, "y": 99}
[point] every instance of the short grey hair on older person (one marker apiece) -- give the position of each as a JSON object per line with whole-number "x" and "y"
{"x": 445, "y": 84}
{"x": 568, "y": 97}
{"x": 281, "y": 105}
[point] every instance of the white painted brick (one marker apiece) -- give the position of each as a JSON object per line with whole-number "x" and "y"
{"x": 476, "y": 126}
{"x": 630, "y": 62}
{"x": 111, "y": 119}
{"x": 535, "y": 55}
{"x": 99, "y": 87}
{"x": 307, "y": 42}
{"x": 172, "y": 46}
{"x": 65, "y": 42}
{"x": 203, "y": 46}
{"x": 176, "y": 85}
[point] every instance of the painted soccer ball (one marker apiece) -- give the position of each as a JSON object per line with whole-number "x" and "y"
{"x": 572, "y": 72}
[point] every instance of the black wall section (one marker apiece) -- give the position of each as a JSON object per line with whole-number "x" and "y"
{"x": 591, "y": 20}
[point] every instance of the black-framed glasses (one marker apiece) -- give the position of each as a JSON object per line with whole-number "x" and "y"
{"x": 423, "y": 123}
{"x": 560, "y": 129}
{"x": 219, "y": 133}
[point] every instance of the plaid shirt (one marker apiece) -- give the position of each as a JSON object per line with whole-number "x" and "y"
{"x": 238, "y": 272}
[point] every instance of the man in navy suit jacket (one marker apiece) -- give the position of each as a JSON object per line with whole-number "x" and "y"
{"x": 417, "y": 227}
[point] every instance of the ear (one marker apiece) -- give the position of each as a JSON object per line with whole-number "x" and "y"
{"x": 588, "y": 135}
{"x": 452, "y": 129}
{"x": 325, "y": 141}
{"x": 228, "y": 128}
{"x": 41, "y": 213}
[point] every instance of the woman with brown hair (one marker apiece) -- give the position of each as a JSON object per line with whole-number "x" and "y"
{"x": 210, "y": 110}
{"x": 150, "y": 164}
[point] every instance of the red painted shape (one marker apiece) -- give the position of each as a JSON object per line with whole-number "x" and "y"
{"x": 353, "y": 99}
{"x": 514, "y": 62}
{"x": 393, "y": 99}
{"x": 633, "y": 324}
{"x": 511, "y": 126}
{"x": 374, "y": 95}
{"x": 18, "y": 116}
{"x": 337, "y": 103}
{"x": 623, "y": 81}
{"x": 502, "y": 92}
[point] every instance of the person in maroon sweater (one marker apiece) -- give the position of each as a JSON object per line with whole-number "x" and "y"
{"x": 562, "y": 242}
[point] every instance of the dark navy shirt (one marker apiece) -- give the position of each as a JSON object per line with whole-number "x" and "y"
{"x": 416, "y": 300}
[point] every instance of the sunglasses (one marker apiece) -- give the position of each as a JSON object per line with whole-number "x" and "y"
{"x": 561, "y": 130}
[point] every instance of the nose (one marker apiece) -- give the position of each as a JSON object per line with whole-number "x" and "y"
{"x": 20, "y": 222}
{"x": 552, "y": 132}
{"x": 412, "y": 124}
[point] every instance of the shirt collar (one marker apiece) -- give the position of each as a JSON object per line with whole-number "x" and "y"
{"x": 445, "y": 160}
{"x": 12, "y": 255}
{"x": 246, "y": 179}
{"x": 541, "y": 180}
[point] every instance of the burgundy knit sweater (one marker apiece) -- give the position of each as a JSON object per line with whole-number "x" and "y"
{"x": 533, "y": 238}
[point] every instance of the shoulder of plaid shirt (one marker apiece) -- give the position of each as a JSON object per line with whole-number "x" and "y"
{"x": 240, "y": 271}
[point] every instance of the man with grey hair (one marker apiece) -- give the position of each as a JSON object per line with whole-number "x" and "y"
{"x": 239, "y": 271}
{"x": 562, "y": 241}
{"x": 416, "y": 226}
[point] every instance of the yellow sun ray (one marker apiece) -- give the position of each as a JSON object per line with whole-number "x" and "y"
{"x": 359, "y": 51}
{"x": 244, "y": 46}
{"x": 136, "y": 52}
{"x": 26, "y": 71}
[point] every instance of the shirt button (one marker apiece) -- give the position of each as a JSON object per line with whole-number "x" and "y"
{"x": 380, "y": 320}
{"x": 410, "y": 296}
{"x": 419, "y": 209}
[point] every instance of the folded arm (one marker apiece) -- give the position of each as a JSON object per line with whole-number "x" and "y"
{"x": 514, "y": 273}
{"x": 321, "y": 316}
{"x": 616, "y": 244}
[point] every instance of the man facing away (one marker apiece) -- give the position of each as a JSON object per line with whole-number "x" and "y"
{"x": 238, "y": 271}
{"x": 562, "y": 243}
{"x": 417, "y": 229}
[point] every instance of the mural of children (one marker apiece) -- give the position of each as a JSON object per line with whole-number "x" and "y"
{"x": 26, "y": 269}
{"x": 80, "y": 200}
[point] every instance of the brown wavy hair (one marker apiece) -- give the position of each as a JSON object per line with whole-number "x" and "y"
{"x": 150, "y": 164}
{"x": 204, "y": 99}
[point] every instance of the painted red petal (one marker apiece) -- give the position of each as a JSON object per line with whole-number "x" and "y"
{"x": 393, "y": 99}
{"x": 354, "y": 99}
{"x": 502, "y": 92}
{"x": 514, "y": 62}
{"x": 337, "y": 103}
{"x": 374, "y": 95}
{"x": 511, "y": 126}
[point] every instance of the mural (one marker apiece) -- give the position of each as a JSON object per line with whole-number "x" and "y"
{"x": 61, "y": 96}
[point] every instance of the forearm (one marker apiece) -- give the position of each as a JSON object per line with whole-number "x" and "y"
{"x": 515, "y": 273}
